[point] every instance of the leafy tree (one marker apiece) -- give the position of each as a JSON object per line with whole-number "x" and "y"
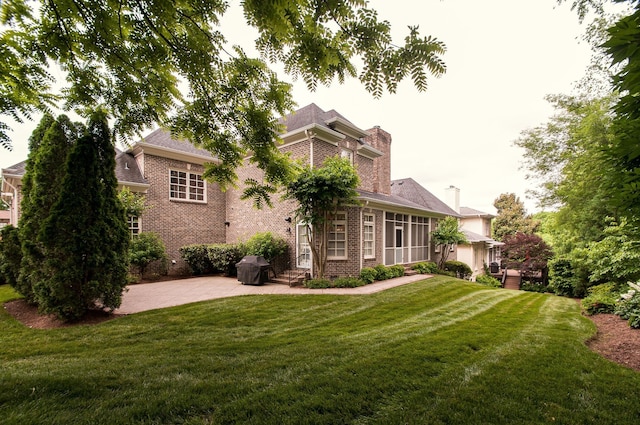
{"x": 130, "y": 56}
{"x": 51, "y": 142}
{"x": 512, "y": 217}
{"x": 616, "y": 258}
{"x": 146, "y": 248}
{"x": 526, "y": 252}
{"x": 446, "y": 236}
{"x": 319, "y": 194}
{"x": 133, "y": 203}
{"x": 85, "y": 236}
{"x": 624, "y": 152}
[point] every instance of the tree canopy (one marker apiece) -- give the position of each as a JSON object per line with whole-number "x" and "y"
{"x": 446, "y": 236}
{"x": 320, "y": 192}
{"x": 168, "y": 63}
{"x": 526, "y": 252}
{"x": 512, "y": 217}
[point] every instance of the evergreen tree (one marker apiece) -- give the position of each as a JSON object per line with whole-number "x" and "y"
{"x": 50, "y": 143}
{"x": 85, "y": 235}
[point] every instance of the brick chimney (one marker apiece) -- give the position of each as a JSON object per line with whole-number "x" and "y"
{"x": 381, "y": 140}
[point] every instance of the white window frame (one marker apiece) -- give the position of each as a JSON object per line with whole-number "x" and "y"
{"x": 337, "y": 222}
{"x": 193, "y": 192}
{"x": 369, "y": 222}
{"x": 135, "y": 225}
{"x": 347, "y": 153}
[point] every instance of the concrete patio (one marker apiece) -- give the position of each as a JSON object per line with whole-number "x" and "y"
{"x": 150, "y": 296}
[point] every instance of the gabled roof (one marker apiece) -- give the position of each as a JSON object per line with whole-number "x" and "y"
{"x": 16, "y": 170}
{"x": 160, "y": 143}
{"x": 390, "y": 200}
{"x": 162, "y": 138}
{"x": 127, "y": 171}
{"x": 330, "y": 126}
{"x": 411, "y": 190}
{"x": 470, "y": 212}
{"x": 313, "y": 114}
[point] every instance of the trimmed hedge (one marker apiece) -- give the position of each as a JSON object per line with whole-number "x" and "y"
{"x": 213, "y": 258}
{"x": 368, "y": 275}
{"x": 462, "y": 270}
{"x": 197, "y": 259}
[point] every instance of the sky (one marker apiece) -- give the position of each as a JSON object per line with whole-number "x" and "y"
{"x": 503, "y": 57}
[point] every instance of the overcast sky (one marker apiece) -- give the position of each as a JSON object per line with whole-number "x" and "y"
{"x": 503, "y": 57}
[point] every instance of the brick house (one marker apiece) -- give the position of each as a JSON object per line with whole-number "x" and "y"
{"x": 391, "y": 225}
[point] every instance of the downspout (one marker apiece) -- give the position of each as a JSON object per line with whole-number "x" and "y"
{"x": 310, "y": 139}
{"x": 362, "y": 237}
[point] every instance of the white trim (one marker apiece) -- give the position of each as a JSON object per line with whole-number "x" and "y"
{"x": 149, "y": 149}
{"x": 344, "y": 126}
{"x": 314, "y": 130}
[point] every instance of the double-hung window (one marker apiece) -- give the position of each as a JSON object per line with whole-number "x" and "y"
{"x": 187, "y": 186}
{"x": 368, "y": 229}
{"x": 134, "y": 225}
{"x": 337, "y": 241}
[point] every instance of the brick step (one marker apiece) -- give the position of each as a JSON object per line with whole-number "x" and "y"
{"x": 293, "y": 277}
{"x": 408, "y": 271}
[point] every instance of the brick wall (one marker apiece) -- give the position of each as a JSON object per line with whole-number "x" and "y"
{"x": 180, "y": 223}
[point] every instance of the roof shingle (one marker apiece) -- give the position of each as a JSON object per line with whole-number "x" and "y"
{"x": 411, "y": 190}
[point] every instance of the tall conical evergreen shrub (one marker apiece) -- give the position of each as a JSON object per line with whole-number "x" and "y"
{"x": 86, "y": 237}
{"x": 49, "y": 145}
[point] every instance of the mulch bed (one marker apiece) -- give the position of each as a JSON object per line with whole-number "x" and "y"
{"x": 616, "y": 341}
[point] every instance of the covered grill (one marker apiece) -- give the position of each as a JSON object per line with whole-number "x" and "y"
{"x": 253, "y": 270}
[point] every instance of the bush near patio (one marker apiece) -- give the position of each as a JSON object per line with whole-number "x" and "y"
{"x": 341, "y": 282}
{"x": 273, "y": 248}
{"x": 221, "y": 258}
{"x": 146, "y": 248}
{"x": 206, "y": 259}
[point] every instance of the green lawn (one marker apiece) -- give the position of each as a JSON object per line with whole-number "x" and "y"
{"x": 440, "y": 351}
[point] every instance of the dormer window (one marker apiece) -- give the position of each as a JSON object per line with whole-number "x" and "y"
{"x": 348, "y": 154}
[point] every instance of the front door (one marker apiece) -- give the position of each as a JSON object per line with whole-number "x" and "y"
{"x": 303, "y": 250}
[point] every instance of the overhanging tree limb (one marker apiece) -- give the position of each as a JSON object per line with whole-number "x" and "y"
{"x": 128, "y": 57}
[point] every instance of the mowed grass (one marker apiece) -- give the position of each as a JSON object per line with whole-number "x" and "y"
{"x": 440, "y": 351}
